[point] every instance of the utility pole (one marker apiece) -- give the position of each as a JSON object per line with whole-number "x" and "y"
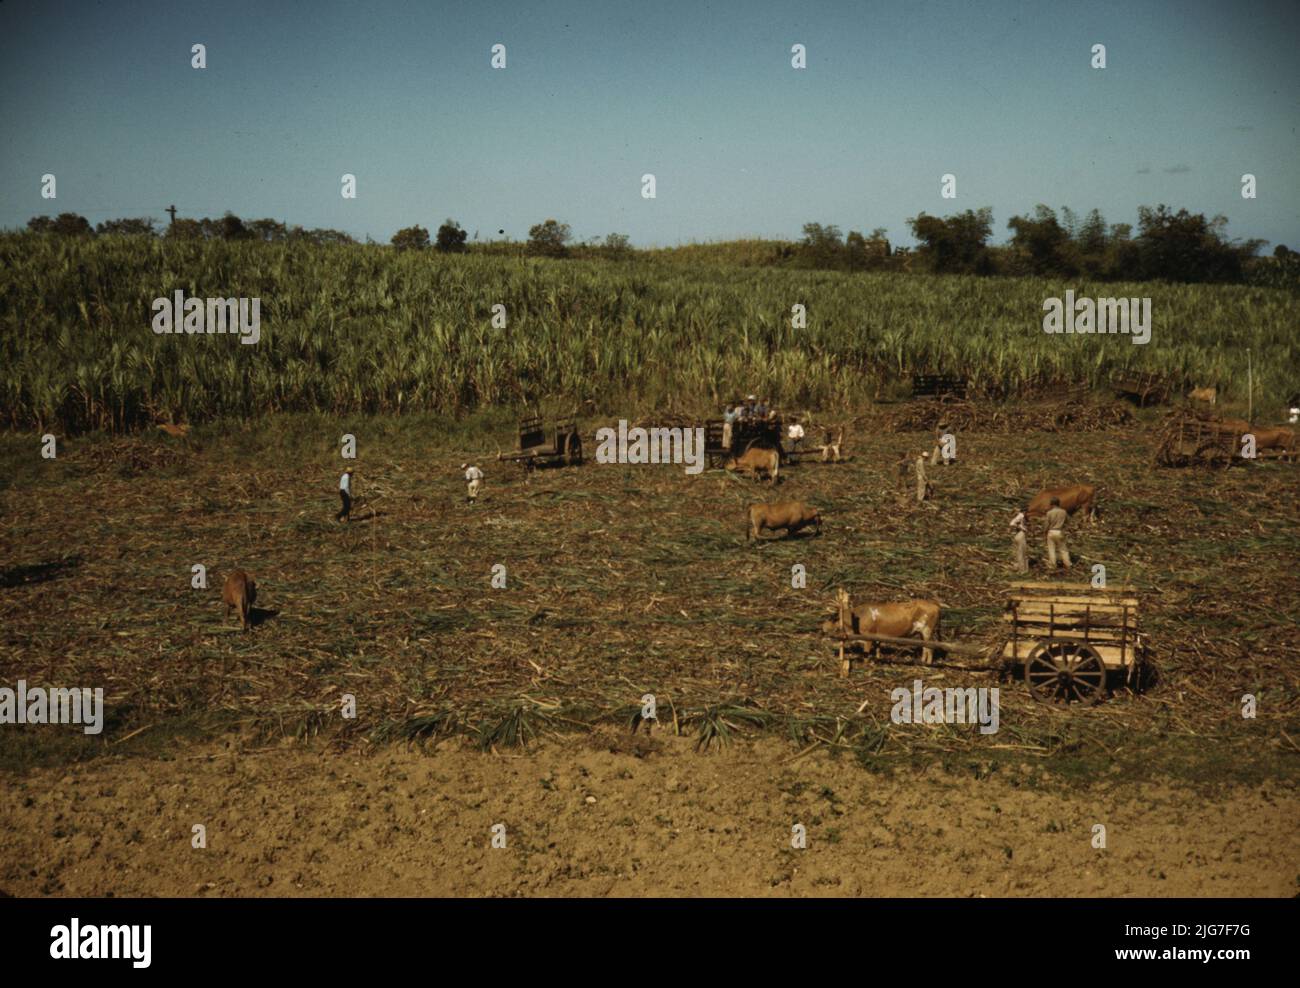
{"x": 172, "y": 211}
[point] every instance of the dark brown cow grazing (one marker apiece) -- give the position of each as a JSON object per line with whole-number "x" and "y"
{"x": 789, "y": 515}
{"x": 756, "y": 461}
{"x": 901, "y": 619}
{"x": 240, "y": 591}
{"x": 1073, "y": 498}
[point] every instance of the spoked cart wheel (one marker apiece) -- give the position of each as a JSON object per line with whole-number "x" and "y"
{"x": 1065, "y": 672}
{"x": 573, "y": 450}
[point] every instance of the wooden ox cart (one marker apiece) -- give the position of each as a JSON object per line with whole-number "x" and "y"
{"x": 1070, "y": 639}
{"x": 745, "y": 433}
{"x": 1189, "y": 439}
{"x": 1139, "y": 388}
{"x": 563, "y": 447}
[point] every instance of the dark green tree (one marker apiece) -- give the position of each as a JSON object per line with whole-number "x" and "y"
{"x": 549, "y": 238}
{"x": 138, "y": 227}
{"x": 411, "y": 238}
{"x": 955, "y": 244}
{"x": 451, "y": 238}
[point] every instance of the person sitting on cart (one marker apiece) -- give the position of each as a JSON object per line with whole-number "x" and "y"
{"x": 728, "y": 424}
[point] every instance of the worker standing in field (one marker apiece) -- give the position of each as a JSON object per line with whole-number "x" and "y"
{"x": 1055, "y": 522}
{"x": 923, "y": 488}
{"x": 474, "y": 480}
{"x": 1020, "y": 540}
{"x": 946, "y": 450}
{"x": 795, "y": 433}
{"x": 728, "y": 422}
{"x": 345, "y": 495}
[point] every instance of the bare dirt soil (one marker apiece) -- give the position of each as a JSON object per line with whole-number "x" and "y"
{"x": 660, "y": 820}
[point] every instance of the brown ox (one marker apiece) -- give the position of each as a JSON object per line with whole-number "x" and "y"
{"x": 1276, "y": 437}
{"x": 756, "y": 461}
{"x": 788, "y": 515}
{"x": 901, "y": 619}
{"x": 1073, "y": 498}
{"x": 1207, "y": 395}
{"x": 1237, "y": 427}
{"x": 239, "y": 592}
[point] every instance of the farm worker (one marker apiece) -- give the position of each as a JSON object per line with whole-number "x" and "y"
{"x": 1055, "y": 521}
{"x": 939, "y": 448}
{"x": 728, "y": 420}
{"x": 795, "y": 432}
{"x": 345, "y": 495}
{"x": 1020, "y": 539}
{"x": 474, "y": 477}
{"x": 923, "y": 488}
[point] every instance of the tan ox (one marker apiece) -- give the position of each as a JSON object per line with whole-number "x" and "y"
{"x": 1208, "y": 395}
{"x": 788, "y": 515}
{"x": 901, "y": 619}
{"x": 1074, "y": 497}
{"x": 1276, "y": 437}
{"x": 239, "y": 592}
{"x": 756, "y": 461}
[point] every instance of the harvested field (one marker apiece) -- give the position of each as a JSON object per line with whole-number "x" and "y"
{"x": 622, "y": 581}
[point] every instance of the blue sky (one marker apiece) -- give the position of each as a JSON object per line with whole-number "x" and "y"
{"x": 702, "y": 95}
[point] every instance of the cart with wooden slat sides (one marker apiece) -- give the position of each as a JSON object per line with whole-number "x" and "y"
{"x": 763, "y": 433}
{"x": 564, "y": 446}
{"x": 1071, "y": 639}
{"x": 938, "y": 386}
{"x": 1141, "y": 389}
{"x": 1189, "y": 439}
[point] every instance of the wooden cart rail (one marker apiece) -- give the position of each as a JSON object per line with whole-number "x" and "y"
{"x": 1070, "y": 637}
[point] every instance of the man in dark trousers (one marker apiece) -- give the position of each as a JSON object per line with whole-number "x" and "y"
{"x": 345, "y": 495}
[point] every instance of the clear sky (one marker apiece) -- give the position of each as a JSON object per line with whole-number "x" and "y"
{"x": 701, "y": 94}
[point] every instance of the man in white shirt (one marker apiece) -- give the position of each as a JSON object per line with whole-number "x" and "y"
{"x": 795, "y": 433}
{"x": 1020, "y": 539}
{"x": 345, "y": 495}
{"x": 474, "y": 477}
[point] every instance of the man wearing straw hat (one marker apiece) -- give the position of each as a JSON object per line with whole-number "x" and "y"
{"x": 474, "y": 478}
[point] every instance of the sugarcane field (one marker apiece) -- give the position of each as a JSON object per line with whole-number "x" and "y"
{"x": 350, "y": 561}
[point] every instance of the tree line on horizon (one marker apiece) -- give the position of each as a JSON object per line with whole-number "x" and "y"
{"x": 1169, "y": 246}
